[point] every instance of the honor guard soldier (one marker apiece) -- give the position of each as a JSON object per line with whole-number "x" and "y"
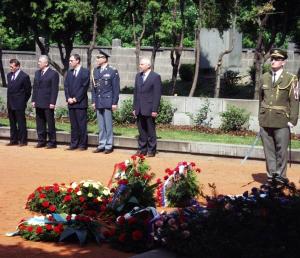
{"x": 278, "y": 113}
{"x": 105, "y": 97}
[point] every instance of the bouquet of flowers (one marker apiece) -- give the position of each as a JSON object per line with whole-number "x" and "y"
{"x": 133, "y": 230}
{"x": 87, "y": 197}
{"x": 180, "y": 186}
{"x": 40, "y": 228}
{"x": 130, "y": 184}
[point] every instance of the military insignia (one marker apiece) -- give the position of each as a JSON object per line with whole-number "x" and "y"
{"x": 296, "y": 90}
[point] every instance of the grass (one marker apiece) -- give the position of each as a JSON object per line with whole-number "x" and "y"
{"x": 164, "y": 134}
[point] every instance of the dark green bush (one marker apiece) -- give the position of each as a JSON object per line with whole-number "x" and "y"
{"x": 234, "y": 118}
{"x": 186, "y": 72}
{"x": 124, "y": 114}
{"x": 165, "y": 113}
{"x": 91, "y": 115}
{"x": 201, "y": 117}
{"x": 61, "y": 112}
{"x": 3, "y": 107}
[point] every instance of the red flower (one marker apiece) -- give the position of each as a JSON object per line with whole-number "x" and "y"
{"x": 56, "y": 188}
{"x": 67, "y": 198}
{"x": 132, "y": 220}
{"x": 39, "y": 230}
{"x": 49, "y": 227}
{"x": 158, "y": 181}
{"x": 81, "y": 199}
{"x": 45, "y": 204}
{"x": 122, "y": 237}
{"x": 57, "y": 229}
{"x": 193, "y": 164}
{"x": 168, "y": 170}
{"x": 70, "y": 190}
{"x": 47, "y": 188}
{"x": 198, "y": 170}
{"x": 30, "y": 228}
{"x": 166, "y": 177}
{"x": 42, "y": 196}
{"x": 133, "y": 157}
{"x": 122, "y": 166}
{"x": 137, "y": 235}
{"x": 52, "y": 208}
{"x": 137, "y": 174}
{"x": 39, "y": 189}
{"x": 68, "y": 217}
{"x": 121, "y": 220}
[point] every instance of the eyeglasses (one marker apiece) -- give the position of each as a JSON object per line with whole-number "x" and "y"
{"x": 277, "y": 59}
{"x": 100, "y": 57}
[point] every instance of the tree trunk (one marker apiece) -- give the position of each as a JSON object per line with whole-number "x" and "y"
{"x": 258, "y": 73}
{"x": 2, "y": 70}
{"x": 153, "y": 55}
{"x": 175, "y": 64}
{"x": 197, "y": 49}
{"x": 93, "y": 41}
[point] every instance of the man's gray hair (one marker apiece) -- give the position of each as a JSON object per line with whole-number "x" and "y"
{"x": 145, "y": 60}
{"x": 44, "y": 58}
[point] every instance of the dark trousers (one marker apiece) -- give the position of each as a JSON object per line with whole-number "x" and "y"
{"x": 147, "y": 134}
{"x": 18, "y": 130}
{"x": 275, "y": 142}
{"x": 44, "y": 119}
{"x": 78, "y": 120}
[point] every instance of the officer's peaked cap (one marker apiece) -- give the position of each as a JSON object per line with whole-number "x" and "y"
{"x": 103, "y": 53}
{"x": 279, "y": 53}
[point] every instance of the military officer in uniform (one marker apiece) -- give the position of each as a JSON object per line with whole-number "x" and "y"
{"x": 105, "y": 97}
{"x": 278, "y": 112}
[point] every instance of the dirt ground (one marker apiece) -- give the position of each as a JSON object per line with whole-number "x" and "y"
{"x": 22, "y": 169}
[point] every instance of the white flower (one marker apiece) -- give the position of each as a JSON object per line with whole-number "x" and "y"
{"x": 90, "y": 195}
{"x": 99, "y": 198}
{"x": 117, "y": 175}
{"x": 74, "y": 185}
{"x": 106, "y": 191}
{"x": 86, "y": 184}
{"x": 127, "y": 162}
{"x": 79, "y": 193}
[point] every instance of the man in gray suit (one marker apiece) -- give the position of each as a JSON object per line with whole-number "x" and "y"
{"x": 105, "y": 97}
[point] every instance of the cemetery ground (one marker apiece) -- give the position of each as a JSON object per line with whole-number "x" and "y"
{"x": 23, "y": 169}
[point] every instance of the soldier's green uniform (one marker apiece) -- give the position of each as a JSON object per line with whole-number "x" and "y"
{"x": 278, "y": 106}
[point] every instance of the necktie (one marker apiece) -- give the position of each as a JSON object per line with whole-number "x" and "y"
{"x": 74, "y": 73}
{"x": 144, "y": 77}
{"x": 42, "y": 72}
{"x": 274, "y": 78}
{"x": 13, "y": 76}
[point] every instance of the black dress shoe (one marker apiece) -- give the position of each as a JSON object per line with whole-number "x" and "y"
{"x": 108, "y": 151}
{"x": 71, "y": 148}
{"x": 23, "y": 144}
{"x": 150, "y": 154}
{"x": 51, "y": 147}
{"x": 11, "y": 144}
{"x": 40, "y": 145}
{"x": 98, "y": 150}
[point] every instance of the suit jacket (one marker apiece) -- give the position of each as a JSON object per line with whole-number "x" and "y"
{"x": 18, "y": 91}
{"x": 77, "y": 87}
{"x": 147, "y": 94}
{"x": 279, "y": 102}
{"x": 105, "y": 87}
{"x": 45, "y": 88}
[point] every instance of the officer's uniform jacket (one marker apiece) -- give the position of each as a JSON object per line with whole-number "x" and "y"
{"x": 279, "y": 102}
{"x": 105, "y": 87}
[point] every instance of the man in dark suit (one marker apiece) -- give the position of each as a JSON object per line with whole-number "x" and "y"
{"x": 18, "y": 93}
{"x": 76, "y": 86}
{"x": 44, "y": 96}
{"x": 105, "y": 97}
{"x": 146, "y": 100}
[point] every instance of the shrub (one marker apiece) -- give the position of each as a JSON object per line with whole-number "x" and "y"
{"x": 186, "y": 72}
{"x": 201, "y": 117}
{"x": 165, "y": 113}
{"x": 251, "y": 71}
{"x": 3, "y": 107}
{"x": 61, "y": 112}
{"x": 124, "y": 115}
{"x": 91, "y": 115}
{"x": 234, "y": 118}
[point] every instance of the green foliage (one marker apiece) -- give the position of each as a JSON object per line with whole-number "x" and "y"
{"x": 91, "y": 115}
{"x": 3, "y": 107}
{"x": 266, "y": 68}
{"x": 186, "y": 72}
{"x": 61, "y": 112}
{"x": 165, "y": 112}
{"x": 183, "y": 190}
{"x": 124, "y": 115}
{"x": 201, "y": 117}
{"x": 234, "y": 118}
